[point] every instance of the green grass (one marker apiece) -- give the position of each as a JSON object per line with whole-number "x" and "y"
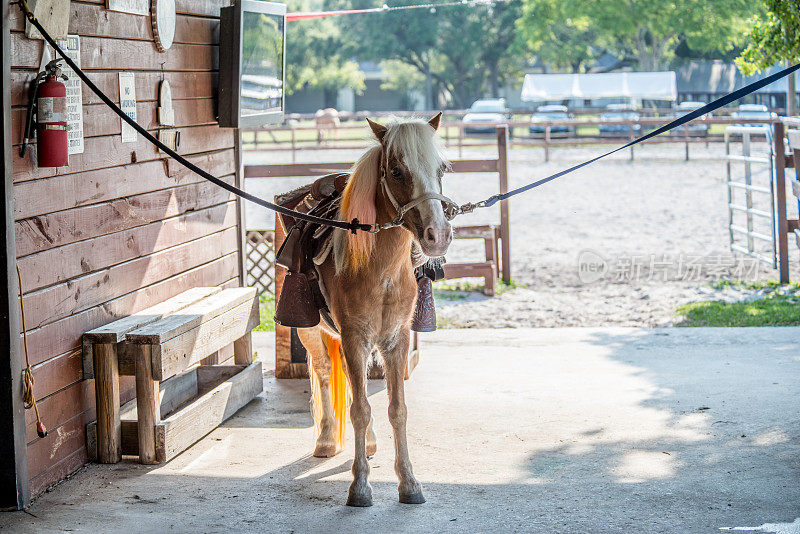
{"x": 266, "y": 313}
{"x": 764, "y": 284}
{"x": 779, "y": 307}
{"x": 459, "y": 290}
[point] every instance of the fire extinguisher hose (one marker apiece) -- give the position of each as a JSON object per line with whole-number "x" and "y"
{"x": 352, "y": 226}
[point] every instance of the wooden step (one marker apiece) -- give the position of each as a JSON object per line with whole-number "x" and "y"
{"x": 485, "y": 269}
{"x": 483, "y": 231}
{"x": 183, "y": 339}
{"x": 196, "y": 401}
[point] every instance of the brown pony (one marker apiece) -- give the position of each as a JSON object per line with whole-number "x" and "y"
{"x": 371, "y": 290}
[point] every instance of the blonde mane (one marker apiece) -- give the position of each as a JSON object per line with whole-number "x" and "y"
{"x": 420, "y": 149}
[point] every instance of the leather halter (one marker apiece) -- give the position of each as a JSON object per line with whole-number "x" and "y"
{"x": 451, "y": 209}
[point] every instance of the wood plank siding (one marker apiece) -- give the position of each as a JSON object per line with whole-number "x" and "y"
{"x": 122, "y": 228}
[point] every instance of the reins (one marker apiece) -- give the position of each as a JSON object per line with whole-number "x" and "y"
{"x": 452, "y": 210}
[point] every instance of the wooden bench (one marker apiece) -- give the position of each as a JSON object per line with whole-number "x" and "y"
{"x": 177, "y": 401}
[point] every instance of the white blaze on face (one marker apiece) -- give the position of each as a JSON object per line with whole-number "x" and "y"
{"x": 422, "y": 152}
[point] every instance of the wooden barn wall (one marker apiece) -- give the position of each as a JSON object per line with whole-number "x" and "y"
{"x": 122, "y": 227}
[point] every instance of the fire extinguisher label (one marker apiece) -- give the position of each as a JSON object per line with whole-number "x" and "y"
{"x": 52, "y": 109}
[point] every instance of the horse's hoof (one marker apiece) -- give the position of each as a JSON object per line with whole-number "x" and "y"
{"x": 326, "y": 450}
{"x": 372, "y": 448}
{"x": 412, "y": 498}
{"x": 359, "y": 501}
{"x": 359, "y": 496}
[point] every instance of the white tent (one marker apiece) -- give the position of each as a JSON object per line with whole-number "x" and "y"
{"x": 642, "y": 85}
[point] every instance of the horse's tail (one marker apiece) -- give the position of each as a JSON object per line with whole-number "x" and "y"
{"x": 339, "y": 386}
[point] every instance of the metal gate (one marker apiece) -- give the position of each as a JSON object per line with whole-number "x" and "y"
{"x": 751, "y": 199}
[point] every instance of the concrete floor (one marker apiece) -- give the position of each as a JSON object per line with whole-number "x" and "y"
{"x": 546, "y": 430}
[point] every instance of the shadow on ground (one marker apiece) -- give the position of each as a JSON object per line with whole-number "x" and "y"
{"x": 560, "y": 430}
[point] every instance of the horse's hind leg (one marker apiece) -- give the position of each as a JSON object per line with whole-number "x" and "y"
{"x": 321, "y": 401}
{"x": 356, "y": 352}
{"x": 395, "y": 358}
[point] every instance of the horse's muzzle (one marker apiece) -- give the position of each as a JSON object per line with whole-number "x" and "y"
{"x": 435, "y": 239}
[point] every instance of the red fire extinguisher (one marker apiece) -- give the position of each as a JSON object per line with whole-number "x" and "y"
{"x": 50, "y": 100}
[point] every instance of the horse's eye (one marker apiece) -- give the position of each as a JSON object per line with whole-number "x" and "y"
{"x": 397, "y": 173}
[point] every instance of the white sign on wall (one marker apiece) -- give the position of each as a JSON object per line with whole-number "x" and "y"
{"x": 137, "y": 7}
{"x": 127, "y": 102}
{"x": 72, "y": 47}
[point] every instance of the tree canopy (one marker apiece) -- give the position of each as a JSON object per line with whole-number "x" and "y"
{"x": 314, "y": 54}
{"x": 465, "y": 52}
{"x": 774, "y": 37}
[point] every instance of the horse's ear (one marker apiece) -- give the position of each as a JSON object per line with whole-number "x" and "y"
{"x": 435, "y": 121}
{"x": 378, "y": 129}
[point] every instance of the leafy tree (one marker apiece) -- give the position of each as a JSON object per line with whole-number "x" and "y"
{"x": 314, "y": 55}
{"x": 651, "y": 29}
{"x": 463, "y": 51}
{"x": 562, "y": 39}
{"x": 647, "y": 30}
{"x": 406, "y": 36}
{"x": 774, "y": 37}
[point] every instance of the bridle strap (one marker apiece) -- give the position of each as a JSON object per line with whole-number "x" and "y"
{"x": 451, "y": 209}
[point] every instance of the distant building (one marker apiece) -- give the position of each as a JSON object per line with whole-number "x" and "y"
{"x": 706, "y": 80}
{"x": 701, "y": 81}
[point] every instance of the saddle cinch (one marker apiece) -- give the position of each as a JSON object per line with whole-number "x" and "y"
{"x": 304, "y": 300}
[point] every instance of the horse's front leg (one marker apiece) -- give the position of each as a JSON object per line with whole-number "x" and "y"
{"x": 356, "y": 351}
{"x": 395, "y": 358}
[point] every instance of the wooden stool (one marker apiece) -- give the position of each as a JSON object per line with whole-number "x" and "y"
{"x": 488, "y": 269}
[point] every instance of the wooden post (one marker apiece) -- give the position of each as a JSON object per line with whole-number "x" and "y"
{"x": 505, "y": 231}
{"x": 283, "y": 335}
{"x": 106, "y": 387}
{"x": 294, "y": 141}
{"x": 686, "y": 141}
{"x": 547, "y": 143}
{"x": 147, "y": 405}
{"x": 14, "y": 484}
{"x": 631, "y": 136}
{"x": 780, "y": 199}
{"x": 240, "y": 211}
{"x": 243, "y": 350}
{"x": 212, "y": 359}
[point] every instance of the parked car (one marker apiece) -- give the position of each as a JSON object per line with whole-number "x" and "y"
{"x": 619, "y": 112}
{"x": 753, "y": 111}
{"x": 551, "y": 113}
{"x": 485, "y": 114}
{"x": 696, "y": 127}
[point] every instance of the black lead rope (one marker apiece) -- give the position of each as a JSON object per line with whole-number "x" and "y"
{"x": 708, "y": 108}
{"x": 351, "y": 226}
{"x": 354, "y": 225}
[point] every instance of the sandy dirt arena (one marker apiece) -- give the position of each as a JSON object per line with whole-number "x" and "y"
{"x": 618, "y": 243}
